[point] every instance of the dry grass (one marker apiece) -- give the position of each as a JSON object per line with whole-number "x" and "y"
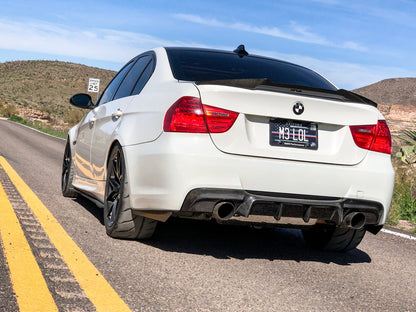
{"x": 40, "y": 90}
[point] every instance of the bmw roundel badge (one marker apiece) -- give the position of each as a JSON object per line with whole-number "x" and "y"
{"x": 298, "y": 108}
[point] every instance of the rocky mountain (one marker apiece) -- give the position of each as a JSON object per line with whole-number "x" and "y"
{"x": 396, "y": 99}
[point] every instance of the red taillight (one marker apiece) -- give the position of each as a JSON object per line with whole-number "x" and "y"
{"x": 219, "y": 120}
{"x": 382, "y": 141}
{"x": 375, "y": 138}
{"x": 188, "y": 114}
{"x": 363, "y": 135}
{"x": 185, "y": 115}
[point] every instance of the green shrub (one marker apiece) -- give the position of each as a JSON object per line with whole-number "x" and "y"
{"x": 404, "y": 203}
{"x": 403, "y": 206}
{"x": 18, "y": 119}
{"x": 407, "y": 153}
{"x": 39, "y": 126}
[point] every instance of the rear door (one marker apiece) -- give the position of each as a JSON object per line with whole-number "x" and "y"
{"x": 82, "y": 148}
{"x": 109, "y": 115}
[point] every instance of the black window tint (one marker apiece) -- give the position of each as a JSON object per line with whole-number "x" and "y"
{"x": 198, "y": 65}
{"x": 112, "y": 87}
{"x": 131, "y": 78}
{"x": 144, "y": 78}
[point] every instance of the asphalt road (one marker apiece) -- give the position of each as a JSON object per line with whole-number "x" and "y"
{"x": 199, "y": 266}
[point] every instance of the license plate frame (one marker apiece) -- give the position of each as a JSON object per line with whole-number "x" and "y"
{"x": 293, "y": 133}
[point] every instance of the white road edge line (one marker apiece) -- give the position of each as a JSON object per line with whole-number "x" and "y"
{"x": 34, "y": 129}
{"x": 399, "y": 234}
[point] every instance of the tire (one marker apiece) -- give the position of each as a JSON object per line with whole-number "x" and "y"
{"x": 119, "y": 220}
{"x": 333, "y": 238}
{"x": 67, "y": 173}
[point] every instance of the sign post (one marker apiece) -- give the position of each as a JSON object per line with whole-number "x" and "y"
{"x": 94, "y": 86}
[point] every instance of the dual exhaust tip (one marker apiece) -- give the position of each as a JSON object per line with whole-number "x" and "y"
{"x": 226, "y": 210}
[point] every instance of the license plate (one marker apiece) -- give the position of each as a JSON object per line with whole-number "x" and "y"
{"x": 293, "y": 133}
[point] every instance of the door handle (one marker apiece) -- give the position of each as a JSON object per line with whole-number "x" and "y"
{"x": 117, "y": 114}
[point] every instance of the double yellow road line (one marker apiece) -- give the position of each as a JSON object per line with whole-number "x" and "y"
{"x": 29, "y": 284}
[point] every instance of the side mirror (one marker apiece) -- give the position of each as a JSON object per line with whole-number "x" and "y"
{"x": 82, "y": 100}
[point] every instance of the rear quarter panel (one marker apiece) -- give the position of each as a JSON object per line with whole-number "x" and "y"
{"x": 144, "y": 116}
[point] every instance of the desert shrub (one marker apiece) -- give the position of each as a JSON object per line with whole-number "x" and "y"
{"x": 404, "y": 203}
{"x": 407, "y": 152}
{"x": 403, "y": 206}
{"x": 47, "y": 110}
{"x": 8, "y": 110}
{"x": 73, "y": 116}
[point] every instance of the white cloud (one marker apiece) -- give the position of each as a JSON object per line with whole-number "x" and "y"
{"x": 354, "y": 46}
{"x": 296, "y": 32}
{"x": 97, "y": 44}
{"x": 343, "y": 74}
{"x": 120, "y": 46}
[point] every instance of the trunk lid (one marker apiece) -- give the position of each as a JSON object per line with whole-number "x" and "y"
{"x": 250, "y": 134}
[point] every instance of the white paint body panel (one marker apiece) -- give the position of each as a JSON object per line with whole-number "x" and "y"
{"x": 163, "y": 167}
{"x": 250, "y": 134}
{"x": 162, "y": 173}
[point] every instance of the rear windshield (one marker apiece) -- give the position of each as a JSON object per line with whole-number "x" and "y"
{"x": 200, "y": 65}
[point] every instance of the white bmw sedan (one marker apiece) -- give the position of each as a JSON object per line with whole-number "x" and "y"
{"x": 208, "y": 134}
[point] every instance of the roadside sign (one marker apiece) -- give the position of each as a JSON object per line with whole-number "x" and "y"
{"x": 94, "y": 85}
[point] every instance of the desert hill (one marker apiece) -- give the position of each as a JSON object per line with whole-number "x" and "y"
{"x": 40, "y": 90}
{"x": 396, "y": 99}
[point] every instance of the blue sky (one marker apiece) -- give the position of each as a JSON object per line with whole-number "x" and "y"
{"x": 353, "y": 43}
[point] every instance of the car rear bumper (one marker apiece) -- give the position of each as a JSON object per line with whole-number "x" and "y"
{"x": 284, "y": 208}
{"x": 164, "y": 175}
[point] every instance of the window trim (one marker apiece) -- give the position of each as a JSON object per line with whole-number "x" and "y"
{"x": 115, "y": 76}
{"x": 133, "y": 62}
{"x": 151, "y": 61}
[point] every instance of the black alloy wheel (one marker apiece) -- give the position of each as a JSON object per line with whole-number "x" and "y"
{"x": 114, "y": 188}
{"x": 67, "y": 173}
{"x": 119, "y": 219}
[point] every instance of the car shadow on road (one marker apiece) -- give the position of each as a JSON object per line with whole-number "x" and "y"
{"x": 91, "y": 208}
{"x": 226, "y": 242}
